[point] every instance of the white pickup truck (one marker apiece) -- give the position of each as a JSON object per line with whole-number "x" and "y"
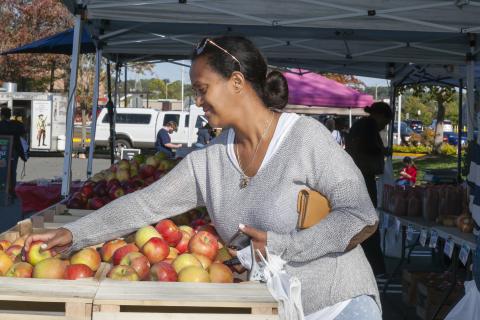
{"x": 138, "y": 127}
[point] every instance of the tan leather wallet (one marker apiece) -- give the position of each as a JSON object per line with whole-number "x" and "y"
{"x": 312, "y": 207}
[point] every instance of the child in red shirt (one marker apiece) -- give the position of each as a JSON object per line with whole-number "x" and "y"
{"x": 408, "y": 175}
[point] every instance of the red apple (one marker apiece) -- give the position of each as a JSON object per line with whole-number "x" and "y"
{"x": 87, "y": 190}
{"x": 144, "y": 234}
{"x": 95, "y": 203}
{"x": 149, "y": 180}
{"x": 20, "y": 270}
{"x": 185, "y": 260}
{"x": 51, "y": 268}
{"x": 123, "y": 251}
{"x": 169, "y": 232}
{"x": 193, "y": 274}
{"x": 138, "y": 262}
{"x": 197, "y": 223}
{"x": 204, "y": 243}
{"x": 77, "y": 271}
{"x": 182, "y": 245}
{"x": 147, "y": 170}
{"x": 156, "y": 249}
{"x": 163, "y": 271}
{"x": 209, "y": 228}
{"x": 123, "y": 273}
{"x": 220, "y": 273}
{"x": 109, "y": 248}
{"x": 158, "y": 174}
{"x": 87, "y": 256}
{"x": 5, "y": 263}
{"x": 113, "y": 182}
{"x": 5, "y": 244}
{"x": 100, "y": 189}
{"x": 35, "y": 254}
{"x": 14, "y": 251}
{"x": 116, "y": 192}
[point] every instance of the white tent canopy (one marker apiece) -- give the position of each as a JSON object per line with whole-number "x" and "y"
{"x": 405, "y": 41}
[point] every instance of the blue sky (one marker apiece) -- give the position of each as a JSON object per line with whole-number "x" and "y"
{"x": 174, "y": 73}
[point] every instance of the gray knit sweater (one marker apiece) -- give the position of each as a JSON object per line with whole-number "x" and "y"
{"x": 308, "y": 156}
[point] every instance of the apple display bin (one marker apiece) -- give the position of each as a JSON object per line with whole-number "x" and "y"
{"x": 42, "y": 299}
{"x": 148, "y": 300}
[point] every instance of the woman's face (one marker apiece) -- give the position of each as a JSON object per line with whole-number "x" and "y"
{"x": 213, "y": 93}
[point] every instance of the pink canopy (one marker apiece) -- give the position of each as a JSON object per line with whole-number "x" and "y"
{"x": 311, "y": 89}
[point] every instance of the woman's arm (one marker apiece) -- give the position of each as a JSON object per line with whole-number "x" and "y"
{"x": 173, "y": 194}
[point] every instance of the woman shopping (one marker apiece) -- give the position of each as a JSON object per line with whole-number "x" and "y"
{"x": 249, "y": 178}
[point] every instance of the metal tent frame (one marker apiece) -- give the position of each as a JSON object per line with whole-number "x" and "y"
{"x": 406, "y": 42}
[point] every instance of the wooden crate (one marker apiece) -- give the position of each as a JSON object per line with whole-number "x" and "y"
{"x": 147, "y": 300}
{"x": 25, "y": 299}
{"x": 429, "y": 298}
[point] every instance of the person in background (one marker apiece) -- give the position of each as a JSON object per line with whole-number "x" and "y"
{"x": 330, "y": 124}
{"x": 204, "y": 136}
{"x": 408, "y": 175}
{"x": 366, "y": 148}
{"x": 164, "y": 142}
{"x": 16, "y": 129}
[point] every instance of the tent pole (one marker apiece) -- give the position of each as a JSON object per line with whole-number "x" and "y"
{"x": 470, "y": 98}
{"x": 93, "y": 128}
{"x": 460, "y": 125}
{"x": 125, "y": 87}
{"x": 67, "y": 160}
{"x": 110, "y": 113}
{"x": 115, "y": 102}
{"x": 350, "y": 117}
{"x": 393, "y": 90}
{"x": 399, "y": 120}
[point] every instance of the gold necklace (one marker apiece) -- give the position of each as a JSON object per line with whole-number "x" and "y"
{"x": 244, "y": 179}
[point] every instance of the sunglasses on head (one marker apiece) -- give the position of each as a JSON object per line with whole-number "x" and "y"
{"x": 203, "y": 43}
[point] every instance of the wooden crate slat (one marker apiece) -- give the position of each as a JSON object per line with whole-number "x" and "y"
{"x": 47, "y": 290}
{"x": 179, "y": 316}
{"x": 173, "y": 294}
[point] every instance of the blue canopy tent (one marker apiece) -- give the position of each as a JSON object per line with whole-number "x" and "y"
{"x": 60, "y": 43}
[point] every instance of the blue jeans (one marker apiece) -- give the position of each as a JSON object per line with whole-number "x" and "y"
{"x": 476, "y": 264}
{"x": 403, "y": 182}
{"x": 361, "y": 308}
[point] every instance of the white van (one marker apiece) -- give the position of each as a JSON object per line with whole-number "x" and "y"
{"x": 138, "y": 127}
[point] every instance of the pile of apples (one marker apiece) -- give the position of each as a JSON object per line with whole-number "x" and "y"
{"x": 38, "y": 263}
{"x": 121, "y": 178}
{"x": 164, "y": 252}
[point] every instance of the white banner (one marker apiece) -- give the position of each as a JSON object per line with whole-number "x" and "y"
{"x": 41, "y": 132}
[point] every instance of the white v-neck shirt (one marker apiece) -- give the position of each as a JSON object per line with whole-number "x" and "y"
{"x": 285, "y": 123}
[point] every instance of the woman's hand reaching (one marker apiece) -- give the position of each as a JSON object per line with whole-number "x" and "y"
{"x": 57, "y": 240}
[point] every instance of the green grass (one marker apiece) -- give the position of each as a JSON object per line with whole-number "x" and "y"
{"x": 427, "y": 162}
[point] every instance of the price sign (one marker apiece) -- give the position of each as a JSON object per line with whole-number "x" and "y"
{"x": 448, "y": 249}
{"x": 423, "y": 237}
{"x": 433, "y": 240}
{"x": 410, "y": 232}
{"x": 464, "y": 253}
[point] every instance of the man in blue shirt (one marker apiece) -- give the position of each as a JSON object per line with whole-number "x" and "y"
{"x": 164, "y": 143}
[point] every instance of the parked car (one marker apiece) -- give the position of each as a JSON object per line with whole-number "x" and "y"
{"x": 452, "y": 137}
{"x": 447, "y": 125}
{"x": 405, "y": 132}
{"x": 415, "y": 125}
{"x": 138, "y": 127}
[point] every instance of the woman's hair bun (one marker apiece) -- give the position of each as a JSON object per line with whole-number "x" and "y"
{"x": 367, "y": 109}
{"x": 275, "y": 91}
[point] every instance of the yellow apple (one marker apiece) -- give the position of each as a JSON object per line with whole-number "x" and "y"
{"x": 50, "y": 268}
{"x": 5, "y": 263}
{"x": 185, "y": 260}
{"x": 144, "y": 234}
{"x": 193, "y": 274}
{"x": 89, "y": 257}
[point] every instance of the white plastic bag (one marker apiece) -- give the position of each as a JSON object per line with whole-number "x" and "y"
{"x": 285, "y": 290}
{"x": 469, "y": 307}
